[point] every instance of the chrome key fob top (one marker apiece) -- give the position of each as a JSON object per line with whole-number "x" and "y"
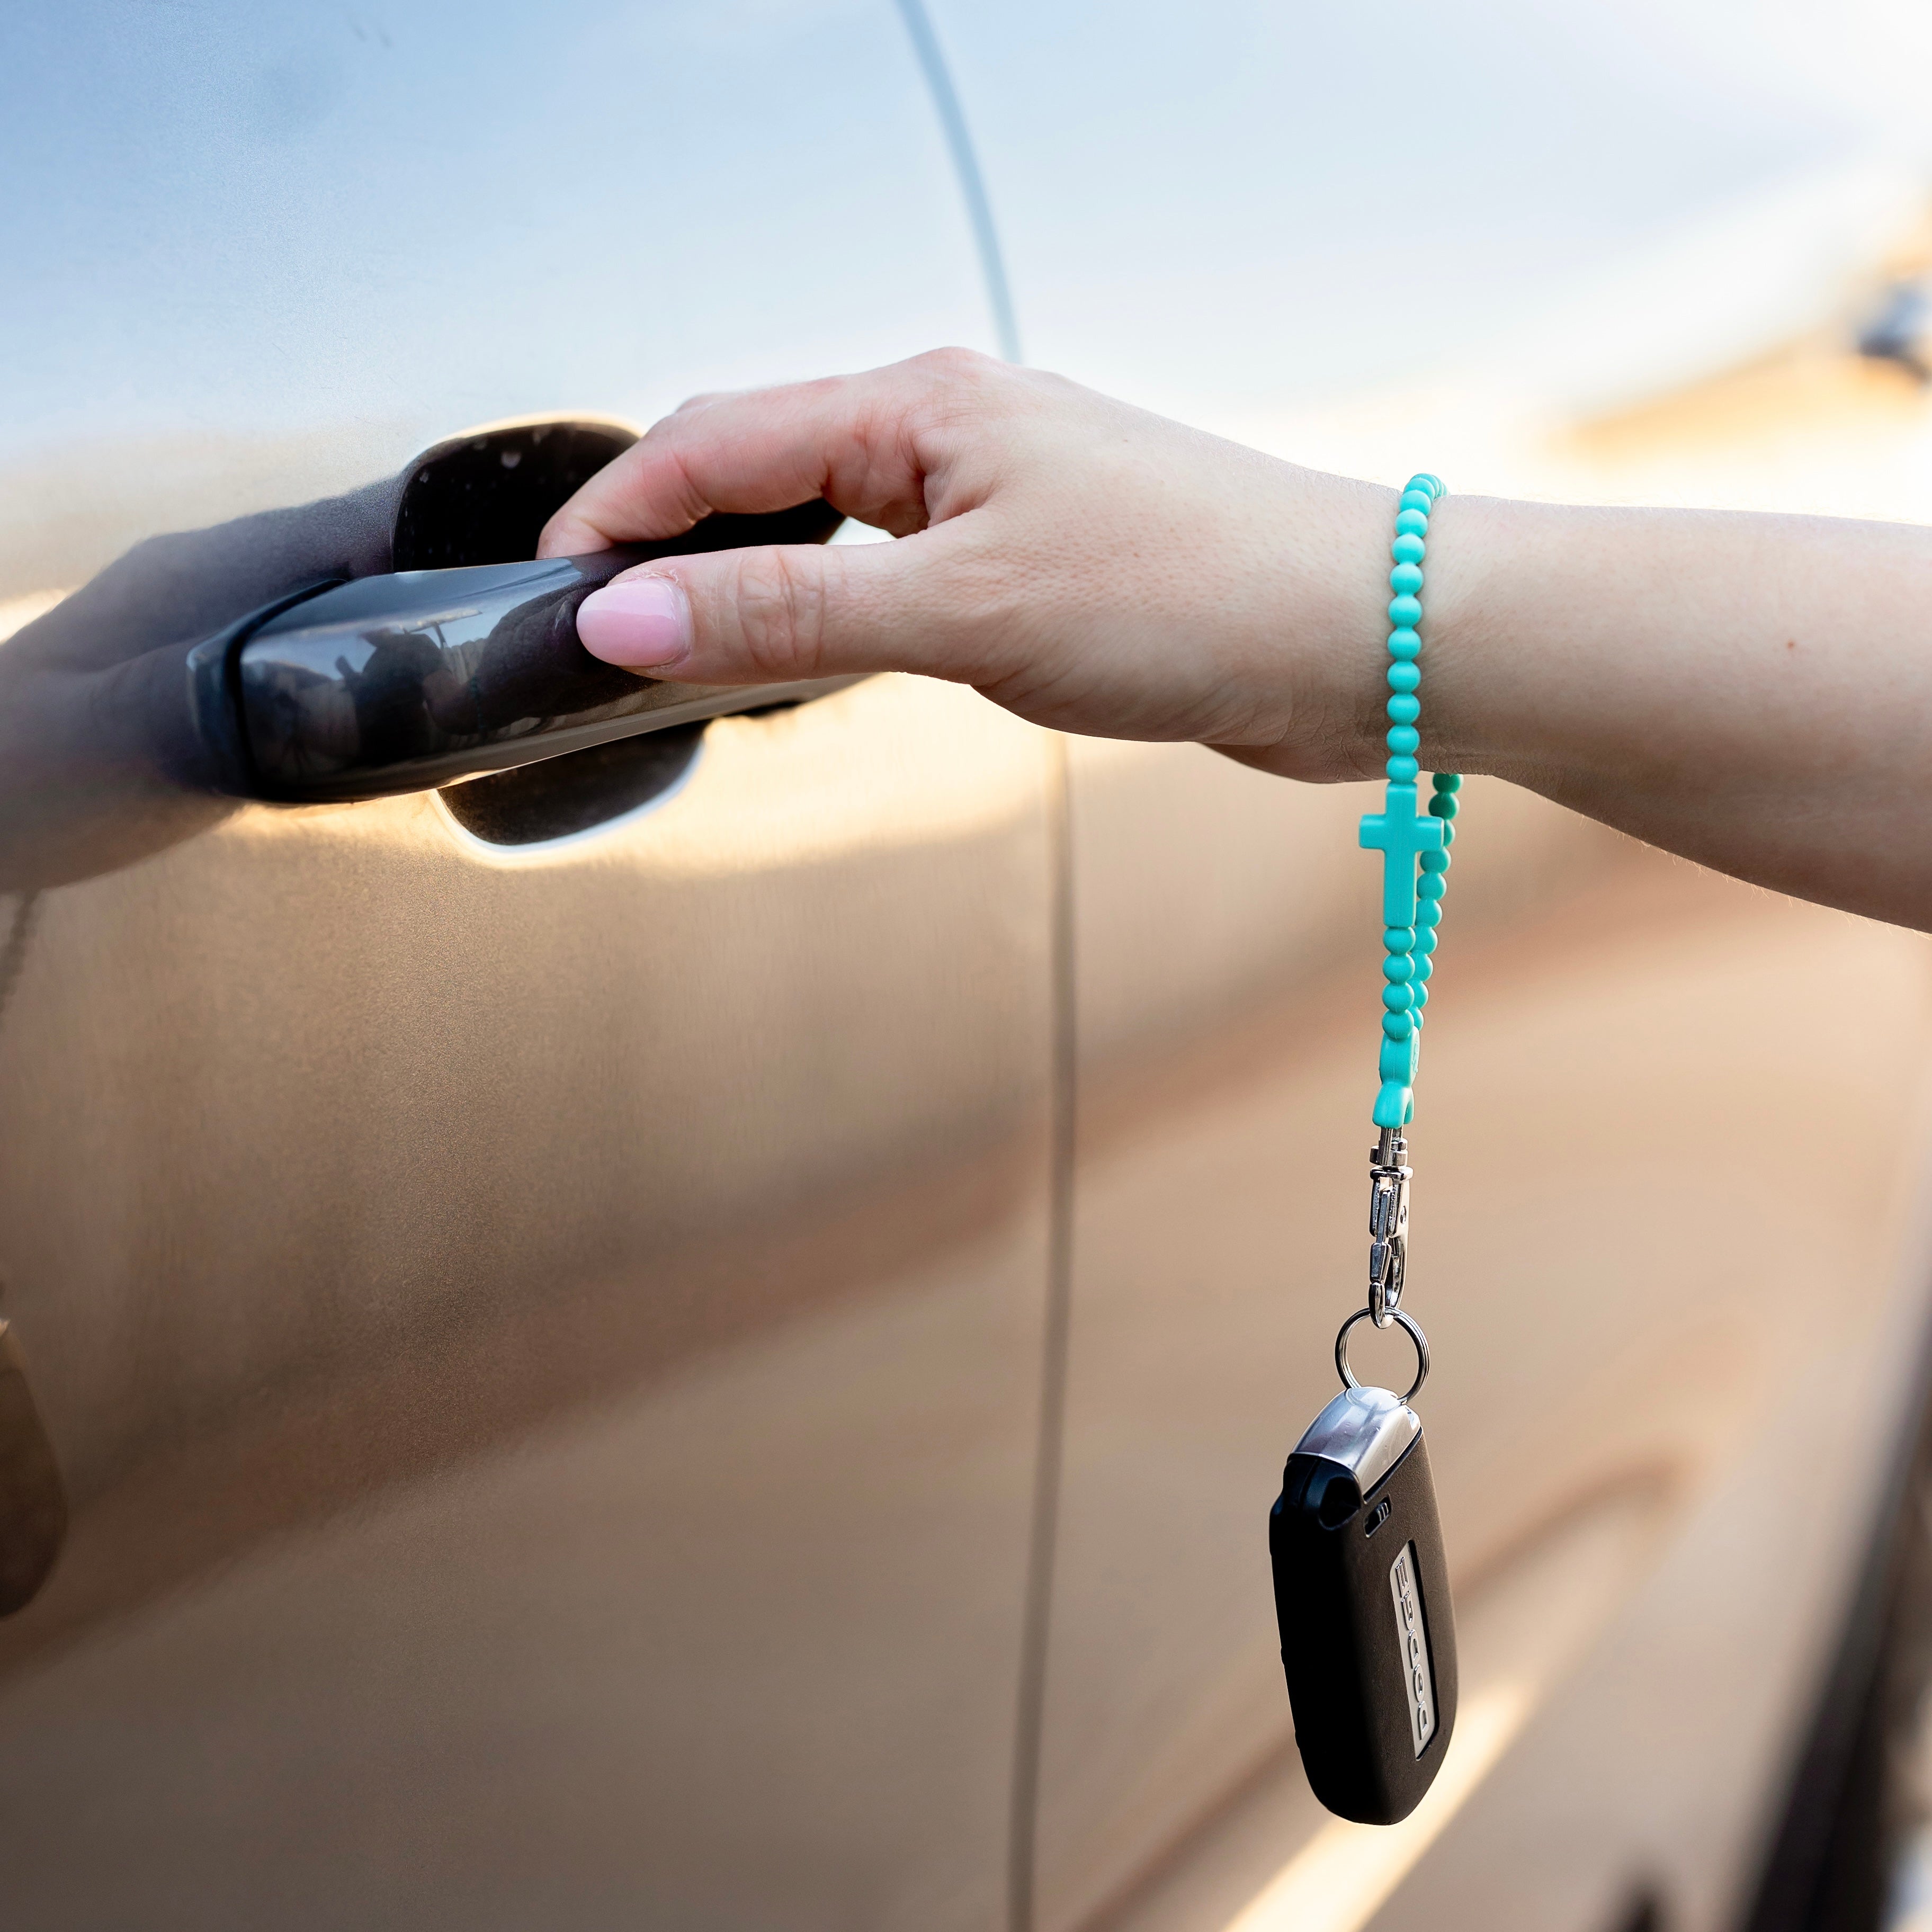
{"x": 1361, "y": 1593}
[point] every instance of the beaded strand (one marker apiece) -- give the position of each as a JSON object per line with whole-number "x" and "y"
{"x": 1412, "y": 906}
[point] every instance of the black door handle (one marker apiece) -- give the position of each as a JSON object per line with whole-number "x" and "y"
{"x": 396, "y": 684}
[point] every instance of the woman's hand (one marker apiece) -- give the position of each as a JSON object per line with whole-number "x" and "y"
{"x": 1088, "y": 565}
{"x": 1753, "y": 692}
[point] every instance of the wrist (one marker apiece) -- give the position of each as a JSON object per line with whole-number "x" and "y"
{"x": 1461, "y": 542}
{"x": 1467, "y": 723}
{"x": 1321, "y": 621}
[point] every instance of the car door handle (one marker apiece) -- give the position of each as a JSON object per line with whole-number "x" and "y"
{"x": 400, "y": 683}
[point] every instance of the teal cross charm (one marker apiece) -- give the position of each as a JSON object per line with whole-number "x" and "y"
{"x": 1402, "y": 835}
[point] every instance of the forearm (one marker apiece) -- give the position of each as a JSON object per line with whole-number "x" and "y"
{"x": 1753, "y": 692}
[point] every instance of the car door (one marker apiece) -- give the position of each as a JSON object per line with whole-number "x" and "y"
{"x": 535, "y": 1290}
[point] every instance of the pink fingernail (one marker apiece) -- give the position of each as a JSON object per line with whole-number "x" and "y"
{"x": 642, "y": 622}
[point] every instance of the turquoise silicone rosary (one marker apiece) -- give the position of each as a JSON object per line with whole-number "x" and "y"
{"x": 1414, "y": 845}
{"x": 1411, "y": 906}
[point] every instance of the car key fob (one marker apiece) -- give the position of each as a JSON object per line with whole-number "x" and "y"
{"x": 1361, "y": 1593}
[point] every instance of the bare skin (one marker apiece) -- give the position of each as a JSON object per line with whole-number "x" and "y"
{"x": 1754, "y": 692}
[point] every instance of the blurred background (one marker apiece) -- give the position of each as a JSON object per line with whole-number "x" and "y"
{"x": 1631, "y": 251}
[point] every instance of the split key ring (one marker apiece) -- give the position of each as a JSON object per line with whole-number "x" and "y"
{"x": 1414, "y": 1332}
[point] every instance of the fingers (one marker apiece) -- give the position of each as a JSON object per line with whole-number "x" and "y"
{"x": 891, "y": 447}
{"x": 870, "y": 445}
{"x": 777, "y": 612}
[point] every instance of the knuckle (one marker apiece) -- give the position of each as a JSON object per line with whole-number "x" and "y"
{"x": 704, "y": 400}
{"x": 956, "y": 366}
{"x": 781, "y": 613}
{"x": 953, "y": 389}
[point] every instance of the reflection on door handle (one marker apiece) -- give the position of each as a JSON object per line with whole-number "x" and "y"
{"x": 399, "y": 683}
{"x": 33, "y": 1504}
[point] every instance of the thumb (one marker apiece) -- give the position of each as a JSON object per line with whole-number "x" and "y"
{"x": 776, "y": 612}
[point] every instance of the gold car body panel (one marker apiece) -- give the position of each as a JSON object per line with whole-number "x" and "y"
{"x": 592, "y": 1459}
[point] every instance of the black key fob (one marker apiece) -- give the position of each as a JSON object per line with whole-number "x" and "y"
{"x": 1361, "y": 1594}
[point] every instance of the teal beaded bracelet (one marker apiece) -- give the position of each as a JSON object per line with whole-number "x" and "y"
{"x": 1414, "y": 845}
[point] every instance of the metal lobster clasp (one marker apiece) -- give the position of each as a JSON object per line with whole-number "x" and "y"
{"x": 1388, "y": 1225}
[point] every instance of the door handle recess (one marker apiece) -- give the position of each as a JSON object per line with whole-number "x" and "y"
{"x": 400, "y": 683}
